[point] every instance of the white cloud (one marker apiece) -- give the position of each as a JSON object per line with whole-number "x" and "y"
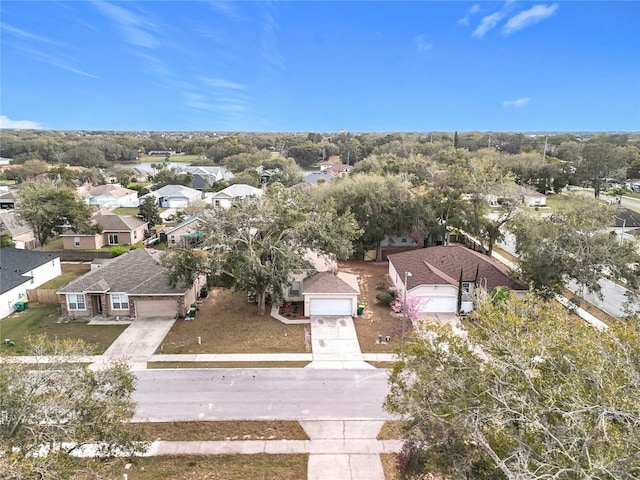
{"x": 6, "y": 122}
{"x": 421, "y": 43}
{"x": 487, "y": 23}
{"x": 529, "y": 17}
{"x": 222, "y": 83}
{"x": 467, "y": 18}
{"x": 519, "y": 103}
{"x": 134, "y": 28}
{"x": 23, "y": 34}
{"x": 474, "y": 9}
{"x": 228, "y": 9}
{"x": 55, "y": 61}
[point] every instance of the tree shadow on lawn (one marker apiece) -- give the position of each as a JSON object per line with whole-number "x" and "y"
{"x": 226, "y": 323}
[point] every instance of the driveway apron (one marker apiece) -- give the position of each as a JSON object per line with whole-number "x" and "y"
{"x": 334, "y": 343}
{"x": 139, "y": 341}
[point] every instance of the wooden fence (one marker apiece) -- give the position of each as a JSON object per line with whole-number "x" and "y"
{"x": 43, "y": 295}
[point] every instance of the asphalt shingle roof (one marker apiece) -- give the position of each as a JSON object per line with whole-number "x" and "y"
{"x": 327, "y": 282}
{"x": 14, "y": 262}
{"x": 441, "y": 265}
{"x": 137, "y": 272}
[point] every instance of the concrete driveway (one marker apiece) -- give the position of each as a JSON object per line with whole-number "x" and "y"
{"x": 334, "y": 343}
{"x": 139, "y": 341}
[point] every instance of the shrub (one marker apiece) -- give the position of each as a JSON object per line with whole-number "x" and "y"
{"x": 118, "y": 250}
{"x": 385, "y": 297}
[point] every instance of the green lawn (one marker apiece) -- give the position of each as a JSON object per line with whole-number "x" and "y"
{"x": 42, "y": 319}
{"x": 70, "y": 271}
{"x": 172, "y": 158}
{"x": 52, "y": 245}
{"x": 132, "y": 211}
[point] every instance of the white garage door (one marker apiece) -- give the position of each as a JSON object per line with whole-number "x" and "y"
{"x": 156, "y": 308}
{"x": 330, "y": 306}
{"x": 439, "y": 304}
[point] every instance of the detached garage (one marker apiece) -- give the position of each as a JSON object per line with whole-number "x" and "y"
{"x": 326, "y": 293}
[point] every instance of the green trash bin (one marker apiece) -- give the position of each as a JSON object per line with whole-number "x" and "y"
{"x": 20, "y": 306}
{"x": 360, "y": 308}
{"x": 193, "y": 308}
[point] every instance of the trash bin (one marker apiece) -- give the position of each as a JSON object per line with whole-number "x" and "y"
{"x": 20, "y": 306}
{"x": 360, "y": 308}
{"x": 193, "y": 308}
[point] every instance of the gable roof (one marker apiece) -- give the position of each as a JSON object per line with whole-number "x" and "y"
{"x": 327, "y": 282}
{"x": 340, "y": 167}
{"x": 13, "y": 224}
{"x": 174, "y": 191}
{"x": 137, "y": 272}
{"x": 112, "y": 222}
{"x": 239, "y": 190}
{"x": 190, "y": 219}
{"x": 14, "y": 263}
{"x": 112, "y": 190}
{"x": 441, "y": 265}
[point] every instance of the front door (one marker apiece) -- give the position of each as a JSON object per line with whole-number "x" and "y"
{"x": 97, "y": 304}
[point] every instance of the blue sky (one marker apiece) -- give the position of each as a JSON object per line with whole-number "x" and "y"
{"x": 321, "y": 66}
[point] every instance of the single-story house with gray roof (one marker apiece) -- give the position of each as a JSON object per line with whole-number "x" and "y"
{"x": 22, "y": 270}
{"x": 132, "y": 285}
{"x": 116, "y": 230}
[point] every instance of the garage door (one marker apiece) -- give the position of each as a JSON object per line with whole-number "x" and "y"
{"x": 156, "y": 308}
{"x": 439, "y": 304}
{"x": 330, "y": 306}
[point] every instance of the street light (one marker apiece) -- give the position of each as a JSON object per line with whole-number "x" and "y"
{"x": 404, "y": 311}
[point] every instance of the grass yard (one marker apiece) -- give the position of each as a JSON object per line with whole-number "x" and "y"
{"x": 229, "y": 430}
{"x": 172, "y": 159}
{"x": 377, "y": 318}
{"x": 126, "y": 211}
{"x": 199, "y": 467}
{"x": 227, "y": 323}
{"x": 41, "y": 319}
{"x": 70, "y": 271}
{"x": 52, "y": 245}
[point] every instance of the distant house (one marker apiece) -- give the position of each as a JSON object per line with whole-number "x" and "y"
{"x": 340, "y": 169}
{"x": 7, "y": 198}
{"x": 161, "y": 153}
{"x": 131, "y": 285}
{"x": 21, "y": 234}
{"x": 5, "y": 161}
{"x": 174, "y": 196}
{"x": 633, "y": 184}
{"x": 22, "y": 270}
{"x": 112, "y": 196}
{"x": 225, "y": 197}
{"x": 323, "y": 289}
{"x": 519, "y": 195}
{"x": 325, "y": 165}
{"x": 116, "y": 230}
{"x": 182, "y": 233}
{"x": 433, "y": 275}
{"x": 205, "y": 177}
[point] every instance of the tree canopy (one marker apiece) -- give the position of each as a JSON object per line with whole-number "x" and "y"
{"x": 259, "y": 242}
{"x": 526, "y": 393}
{"x": 53, "y": 408}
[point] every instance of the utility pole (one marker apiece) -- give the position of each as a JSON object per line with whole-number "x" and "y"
{"x": 544, "y": 152}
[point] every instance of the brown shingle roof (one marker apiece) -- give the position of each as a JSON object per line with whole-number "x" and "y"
{"x": 137, "y": 272}
{"x": 441, "y": 265}
{"x": 327, "y": 282}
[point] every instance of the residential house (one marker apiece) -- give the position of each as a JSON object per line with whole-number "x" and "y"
{"x": 225, "y": 197}
{"x": 325, "y": 165}
{"x": 5, "y": 161}
{"x": 116, "y": 230}
{"x": 112, "y": 196}
{"x": 433, "y": 275}
{"x": 131, "y": 285}
{"x": 183, "y": 233}
{"x": 633, "y": 184}
{"x": 174, "y": 196}
{"x": 21, "y": 234}
{"x": 340, "y": 169}
{"x": 519, "y": 195}
{"x": 323, "y": 289}
{"x": 7, "y": 198}
{"x": 205, "y": 177}
{"x": 22, "y": 270}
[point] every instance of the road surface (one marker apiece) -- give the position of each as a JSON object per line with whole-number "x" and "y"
{"x": 260, "y": 394}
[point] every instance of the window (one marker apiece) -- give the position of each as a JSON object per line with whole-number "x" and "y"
{"x": 135, "y": 234}
{"x": 75, "y": 301}
{"x": 172, "y": 238}
{"x": 294, "y": 290}
{"x": 76, "y": 241}
{"x": 466, "y": 287}
{"x": 119, "y": 301}
{"x": 113, "y": 239}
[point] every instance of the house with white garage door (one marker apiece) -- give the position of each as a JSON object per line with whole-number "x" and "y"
{"x": 435, "y": 274}
{"x": 131, "y": 285}
{"x": 323, "y": 289}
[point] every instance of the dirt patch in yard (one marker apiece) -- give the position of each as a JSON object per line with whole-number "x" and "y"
{"x": 377, "y": 319}
{"x": 226, "y": 323}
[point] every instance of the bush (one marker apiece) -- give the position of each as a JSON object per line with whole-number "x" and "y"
{"x": 386, "y": 297}
{"x": 118, "y": 250}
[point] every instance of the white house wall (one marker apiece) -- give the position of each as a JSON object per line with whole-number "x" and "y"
{"x": 329, "y": 296}
{"x": 41, "y": 275}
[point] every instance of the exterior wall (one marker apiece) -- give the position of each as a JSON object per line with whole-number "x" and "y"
{"x": 86, "y": 242}
{"x": 130, "y": 200}
{"x": 87, "y": 312}
{"x": 124, "y": 238}
{"x": 398, "y": 241}
{"x": 25, "y": 241}
{"x": 309, "y": 296}
{"x": 175, "y": 202}
{"x": 8, "y": 299}
{"x": 535, "y": 201}
{"x": 179, "y": 232}
{"x": 295, "y": 278}
{"x": 436, "y": 291}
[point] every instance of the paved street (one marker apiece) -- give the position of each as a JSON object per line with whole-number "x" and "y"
{"x": 260, "y": 394}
